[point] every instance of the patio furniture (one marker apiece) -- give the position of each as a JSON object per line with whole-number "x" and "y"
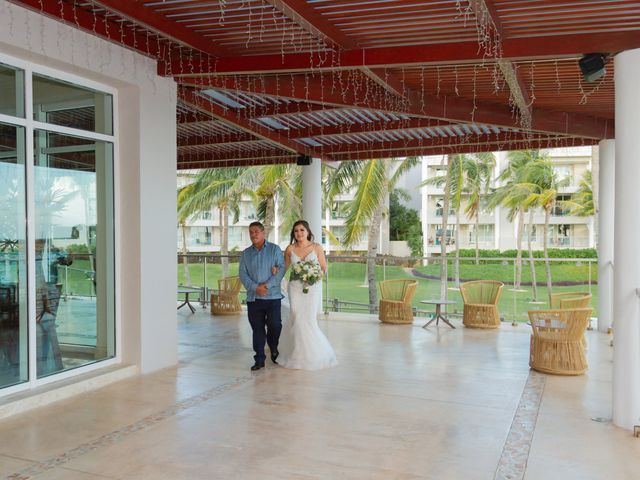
{"x": 570, "y": 300}
{"x": 556, "y": 343}
{"x": 481, "y": 303}
{"x": 227, "y": 300}
{"x": 186, "y": 291}
{"x": 437, "y": 316}
{"x": 395, "y": 301}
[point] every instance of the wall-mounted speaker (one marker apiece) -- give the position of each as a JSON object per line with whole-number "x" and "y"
{"x": 303, "y": 160}
{"x": 592, "y": 66}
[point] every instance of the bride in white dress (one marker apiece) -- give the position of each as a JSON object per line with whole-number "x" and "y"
{"x": 302, "y": 343}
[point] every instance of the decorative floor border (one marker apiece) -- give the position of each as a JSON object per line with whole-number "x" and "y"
{"x": 116, "y": 436}
{"x": 515, "y": 453}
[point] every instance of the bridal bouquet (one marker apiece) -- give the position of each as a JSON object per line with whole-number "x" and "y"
{"x": 308, "y": 272}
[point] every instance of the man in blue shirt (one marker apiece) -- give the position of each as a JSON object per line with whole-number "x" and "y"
{"x": 261, "y": 271}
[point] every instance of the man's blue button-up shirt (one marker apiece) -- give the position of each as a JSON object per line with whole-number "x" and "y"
{"x": 256, "y": 268}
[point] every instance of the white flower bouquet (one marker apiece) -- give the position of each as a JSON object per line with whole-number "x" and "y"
{"x": 308, "y": 272}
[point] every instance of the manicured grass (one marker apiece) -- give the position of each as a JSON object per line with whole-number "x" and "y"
{"x": 346, "y": 282}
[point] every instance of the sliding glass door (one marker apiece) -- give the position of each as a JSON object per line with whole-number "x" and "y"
{"x": 57, "y": 277}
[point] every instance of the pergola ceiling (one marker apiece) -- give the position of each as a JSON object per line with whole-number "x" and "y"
{"x": 262, "y": 81}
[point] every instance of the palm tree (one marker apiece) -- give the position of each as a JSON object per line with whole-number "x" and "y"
{"x": 453, "y": 183}
{"x": 581, "y": 203}
{"x": 513, "y": 194}
{"x": 276, "y": 186}
{"x": 478, "y": 168}
{"x": 214, "y": 187}
{"x": 544, "y": 185}
{"x": 372, "y": 181}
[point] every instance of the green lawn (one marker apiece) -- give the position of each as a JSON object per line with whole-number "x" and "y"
{"x": 346, "y": 282}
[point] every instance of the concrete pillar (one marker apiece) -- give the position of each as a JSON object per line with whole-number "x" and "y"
{"x": 312, "y": 200}
{"x": 312, "y": 197}
{"x": 605, "y": 206}
{"x": 626, "y": 275}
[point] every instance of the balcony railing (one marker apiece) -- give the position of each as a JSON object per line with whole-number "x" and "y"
{"x": 345, "y": 286}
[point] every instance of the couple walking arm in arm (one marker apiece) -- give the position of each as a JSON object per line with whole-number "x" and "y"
{"x": 262, "y": 267}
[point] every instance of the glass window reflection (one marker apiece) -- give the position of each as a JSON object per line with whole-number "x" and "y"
{"x": 11, "y": 91}
{"x": 74, "y": 251}
{"x": 13, "y": 269}
{"x": 69, "y": 105}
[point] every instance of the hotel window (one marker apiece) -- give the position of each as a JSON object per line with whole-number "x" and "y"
{"x": 56, "y": 174}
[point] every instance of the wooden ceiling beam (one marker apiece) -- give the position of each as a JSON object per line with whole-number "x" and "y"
{"x": 462, "y": 148}
{"x": 447, "y": 108}
{"x": 312, "y": 22}
{"x": 485, "y": 10}
{"x": 198, "y": 102}
{"x": 108, "y": 29}
{"x": 514, "y": 49}
{"x": 157, "y": 22}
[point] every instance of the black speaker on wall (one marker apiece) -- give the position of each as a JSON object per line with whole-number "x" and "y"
{"x": 592, "y": 66}
{"x": 303, "y": 160}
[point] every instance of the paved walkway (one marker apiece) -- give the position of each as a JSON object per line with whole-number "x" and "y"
{"x": 404, "y": 403}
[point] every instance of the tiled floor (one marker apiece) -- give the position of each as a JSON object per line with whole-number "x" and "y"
{"x": 404, "y": 403}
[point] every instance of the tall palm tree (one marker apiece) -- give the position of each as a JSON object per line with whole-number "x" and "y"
{"x": 276, "y": 186}
{"x": 581, "y": 202}
{"x": 221, "y": 188}
{"x": 478, "y": 168}
{"x": 372, "y": 181}
{"x": 453, "y": 183}
{"x": 544, "y": 185}
{"x": 513, "y": 194}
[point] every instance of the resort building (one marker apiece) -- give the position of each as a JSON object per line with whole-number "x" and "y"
{"x": 494, "y": 230}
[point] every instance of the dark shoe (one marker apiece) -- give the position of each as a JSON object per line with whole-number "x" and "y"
{"x": 274, "y": 356}
{"x": 257, "y": 366}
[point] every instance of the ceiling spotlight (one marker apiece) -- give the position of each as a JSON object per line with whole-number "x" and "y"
{"x": 592, "y": 66}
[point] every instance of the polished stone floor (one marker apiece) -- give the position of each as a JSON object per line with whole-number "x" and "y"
{"x": 403, "y": 403}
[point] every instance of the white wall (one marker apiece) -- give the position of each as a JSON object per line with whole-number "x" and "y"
{"x": 145, "y": 173}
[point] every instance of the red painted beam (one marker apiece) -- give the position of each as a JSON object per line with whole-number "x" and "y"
{"x": 190, "y": 98}
{"x": 109, "y": 29}
{"x": 435, "y": 142}
{"x": 553, "y": 46}
{"x": 451, "y": 109}
{"x": 464, "y": 148}
{"x": 267, "y": 155}
{"x": 138, "y": 13}
{"x": 209, "y": 140}
{"x": 235, "y": 163}
{"x": 309, "y": 19}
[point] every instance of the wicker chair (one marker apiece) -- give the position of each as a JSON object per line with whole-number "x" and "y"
{"x": 556, "y": 343}
{"x": 227, "y": 300}
{"x": 481, "y": 303}
{"x": 395, "y": 301}
{"x": 566, "y": 300}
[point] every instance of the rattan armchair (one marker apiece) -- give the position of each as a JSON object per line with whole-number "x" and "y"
{"x": 395, "y": 301}
{"x": 570, "y": 300}
{"x": 227, "y": 300}
{"x": 481, "y": 303}
{"x": 556, "y": 343}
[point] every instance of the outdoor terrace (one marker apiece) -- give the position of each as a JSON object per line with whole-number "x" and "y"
{"x": 404, "y": 402}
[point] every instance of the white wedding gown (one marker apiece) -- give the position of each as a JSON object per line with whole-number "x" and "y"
{"x": 302, "y": 344}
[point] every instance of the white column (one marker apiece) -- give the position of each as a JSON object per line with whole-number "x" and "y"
{"x": 312, "y": 200}
{"x": 605, "y": 206}
{"x": 148, "y": 266}
{"x": 312, "y": 197}
{"x": 626, "y": 275}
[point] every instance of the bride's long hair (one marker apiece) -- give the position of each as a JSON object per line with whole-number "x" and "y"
{"x": 305, "y": 224}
